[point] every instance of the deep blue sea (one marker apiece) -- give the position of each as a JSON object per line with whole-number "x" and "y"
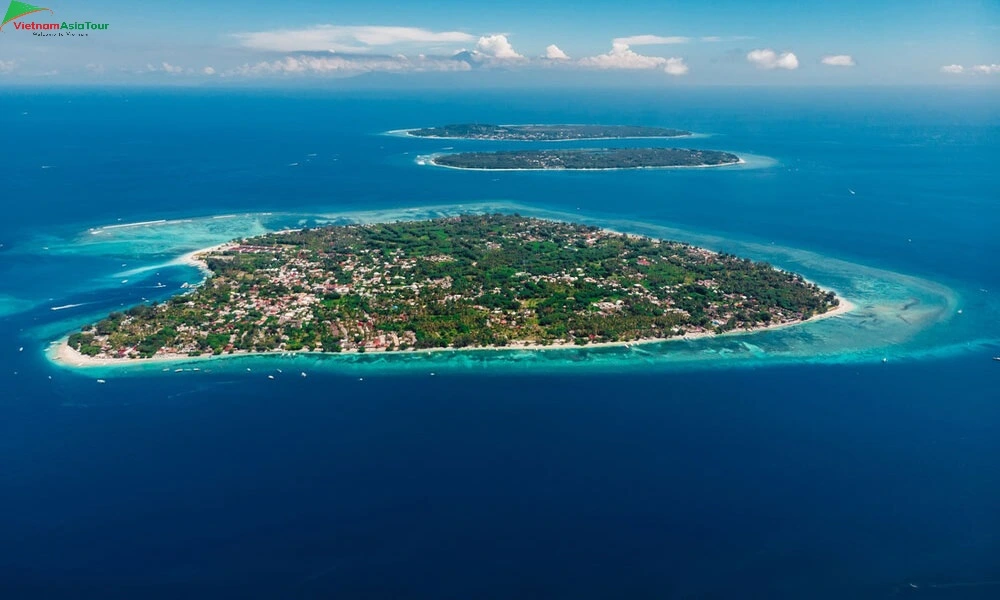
{"x": 786, "y": 464}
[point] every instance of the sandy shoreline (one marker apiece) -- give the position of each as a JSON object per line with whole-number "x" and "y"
{"x": 61, "y": 352}
{"x": 194, "y": 258}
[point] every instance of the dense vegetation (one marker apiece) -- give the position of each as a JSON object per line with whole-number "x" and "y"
{"x": 544, "y": 133}
{"x": 604, "y": 158}
{"x": 482, "y": 280}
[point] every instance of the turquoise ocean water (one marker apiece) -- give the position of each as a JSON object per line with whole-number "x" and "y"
{"x": 785, "y": 464}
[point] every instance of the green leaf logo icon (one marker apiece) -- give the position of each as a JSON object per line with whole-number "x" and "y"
{"x": 16, "y": 10}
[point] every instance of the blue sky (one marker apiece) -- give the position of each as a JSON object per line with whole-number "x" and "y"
{"x": 725, "y": 42}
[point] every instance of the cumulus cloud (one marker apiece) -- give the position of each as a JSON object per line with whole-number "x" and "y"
{"x": 490, "y": 51}
{"x": 675, "y": 66}
{"x": 765, "y": 58}
{"x": 622, "y": 57}
{"x": 7, "y": 66}
{"x": 977, "y": 69}
{"x": 497, "y": 46}
{"x": 164, "y": 67}
{"x": 838, "y": 60}
{"x": 208, "y": 70}
{"x": 339, "y": 65}
{"x": 553, "y": 52}
{"x": 651, "y": 40}
{"x": 341, "y": 38}
{"x": 986, "y": 69}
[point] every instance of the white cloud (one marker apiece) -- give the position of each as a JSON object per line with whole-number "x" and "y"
{"x": 497, "y": 46}
{"x": 345, "y": 66}
{"x": 839, "y": 60}
{"x": 164, "y": 67}
{"x": 979, "y": 69}
{"x": 208, "y": 70}
{"x": 622, "y": 57}
{"x": 650, "y": 40}
{"x": 765, "y": 58}
{"x": 339, "y": 38}
{"x": 7, "y": 66}
{"x": 94, "y": 68}
{"x": 987, "y": 69}
{"x": 675, "y": 66}
{"x": 553, "y": 52}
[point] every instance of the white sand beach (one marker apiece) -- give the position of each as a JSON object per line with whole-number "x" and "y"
{"x": 65, "y": 355}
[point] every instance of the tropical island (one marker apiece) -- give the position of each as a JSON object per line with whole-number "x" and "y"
{"x": 587, "y": 159}
{"x": 476, "y": 281}
{"x": 544, "y": 133}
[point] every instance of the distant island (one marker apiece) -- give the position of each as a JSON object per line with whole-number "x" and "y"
{"x": 586, "y": 159}
{"x": 478, "y": 281}
{"x": 544, "y": 133}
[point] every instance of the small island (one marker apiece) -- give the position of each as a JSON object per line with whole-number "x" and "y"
{"x": 476, "y": 281}
{"x": 586, "y": 159}
{"x": 544, "y": 133}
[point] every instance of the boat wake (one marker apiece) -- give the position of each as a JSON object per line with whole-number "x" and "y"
{"x": 66, "y": 306}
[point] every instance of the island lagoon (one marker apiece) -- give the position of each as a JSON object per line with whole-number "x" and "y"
{"x": 784, "y": 462}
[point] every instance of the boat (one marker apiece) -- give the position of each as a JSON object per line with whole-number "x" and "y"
{"x": 996, "y": 358}
{"x": 101, "y": 381}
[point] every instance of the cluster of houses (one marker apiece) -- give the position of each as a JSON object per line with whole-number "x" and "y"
{"x": 296, "y": 303}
